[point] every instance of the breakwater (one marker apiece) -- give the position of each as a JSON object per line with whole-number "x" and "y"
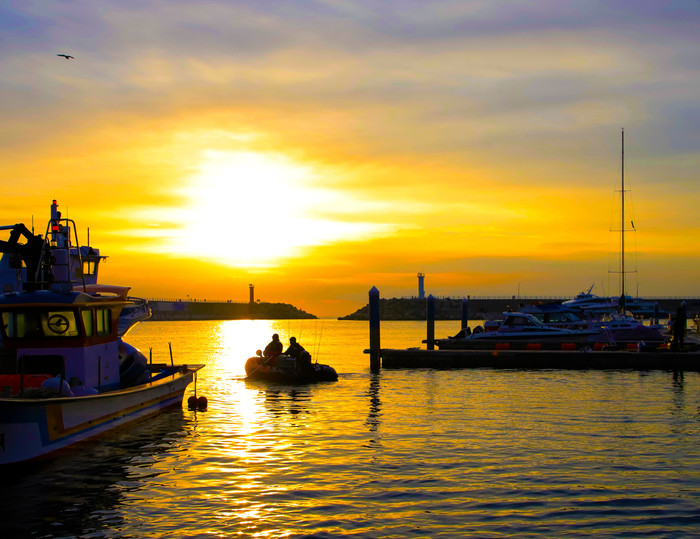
{"x": 485, "y": 308}
{"x": 223, "y": 310}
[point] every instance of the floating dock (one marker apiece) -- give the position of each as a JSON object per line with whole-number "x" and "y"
{"x": 415, "y": 358}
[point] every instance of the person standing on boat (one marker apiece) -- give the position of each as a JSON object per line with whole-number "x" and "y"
{"x": 679, "y": 327}
{"x": 274, "y": 348}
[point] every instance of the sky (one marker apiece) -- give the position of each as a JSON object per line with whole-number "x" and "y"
{"x": 316, "y": 149}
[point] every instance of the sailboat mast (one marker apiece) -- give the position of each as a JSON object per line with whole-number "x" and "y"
{"x": 622, "y": 228}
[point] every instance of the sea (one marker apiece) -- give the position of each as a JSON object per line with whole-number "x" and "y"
{"x": 392, "y": 454}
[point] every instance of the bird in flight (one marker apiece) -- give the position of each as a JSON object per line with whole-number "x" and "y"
{"x": 66, "y": 56}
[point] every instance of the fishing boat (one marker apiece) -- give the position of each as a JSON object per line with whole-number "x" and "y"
{"x": 65, "y": 373}
{"x": 288, "y": 370}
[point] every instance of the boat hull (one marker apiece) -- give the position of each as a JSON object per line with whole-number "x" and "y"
{"x": 35, "y": 427}
{"x": 257, "y": 370}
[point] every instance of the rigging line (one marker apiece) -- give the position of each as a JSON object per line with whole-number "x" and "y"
{"x": 318, "y": 346}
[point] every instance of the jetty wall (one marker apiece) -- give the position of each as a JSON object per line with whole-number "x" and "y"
{"x": 486, "y": 308}
{"x": 223, "y": 310}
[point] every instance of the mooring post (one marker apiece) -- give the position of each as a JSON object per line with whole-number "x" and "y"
{"x": 465, "y": 313}
{"x": 374, "y": 347}
{"x": 656, "y": 313}
{"x": 430, "y": 317}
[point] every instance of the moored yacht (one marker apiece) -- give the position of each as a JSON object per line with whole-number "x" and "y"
{"x": 592, "y": 304}
{"x": 518, "y": 329}
{"x": 616, "y": 328}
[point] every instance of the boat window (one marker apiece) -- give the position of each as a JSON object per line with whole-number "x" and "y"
{"x": 104, "y": 321}
{"x": 36, "y": 324}
{"x": 23, "y": 324}
{"x": 90, "y": 267}
{"x": 87, "y": 322}
{"x": 59, "y": 324}
{"x": 8, "y": 323}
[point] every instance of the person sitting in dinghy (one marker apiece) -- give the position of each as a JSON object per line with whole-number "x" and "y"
{"x": 295, "y": 349}
{"x": 273, "y": 349}
{"x": 303, "y": 358}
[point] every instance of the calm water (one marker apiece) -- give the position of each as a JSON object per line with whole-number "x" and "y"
{"x": 417, "y": 453}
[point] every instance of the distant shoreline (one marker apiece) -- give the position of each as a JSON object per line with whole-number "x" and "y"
{"x": 224, "y": 310}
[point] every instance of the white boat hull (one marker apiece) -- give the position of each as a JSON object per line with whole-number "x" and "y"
{"x": 31, "y": 428}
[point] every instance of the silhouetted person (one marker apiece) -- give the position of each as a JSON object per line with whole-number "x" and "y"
{"x": 302, "y": 357}
{"x": 295, "y": 349}
{"x": 679, "y": 327}
{"x": 274, "y": 347}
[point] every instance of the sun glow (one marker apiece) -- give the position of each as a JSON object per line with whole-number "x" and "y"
{"x": 253, "y": 209}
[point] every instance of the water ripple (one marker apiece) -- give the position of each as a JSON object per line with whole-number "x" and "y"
{"x": 398, "y": 454}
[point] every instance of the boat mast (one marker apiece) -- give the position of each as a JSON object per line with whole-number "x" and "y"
{"x": 622, "y": 229}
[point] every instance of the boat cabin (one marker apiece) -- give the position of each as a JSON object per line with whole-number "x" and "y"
{"x": 67, "y": 334}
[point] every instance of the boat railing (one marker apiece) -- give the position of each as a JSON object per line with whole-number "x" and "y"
{"x": 56, "y": 229}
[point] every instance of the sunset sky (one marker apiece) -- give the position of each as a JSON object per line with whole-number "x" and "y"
{"x": 318, "y": 148}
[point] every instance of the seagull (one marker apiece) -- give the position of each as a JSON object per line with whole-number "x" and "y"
{"x": 66, "y": 56}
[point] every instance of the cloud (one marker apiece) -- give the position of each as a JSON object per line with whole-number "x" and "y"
{"x": 463, "y": 127}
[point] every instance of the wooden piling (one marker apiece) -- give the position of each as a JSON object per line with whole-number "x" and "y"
{"x": 465, "y": 313}
{"x": 430, "y": 318}
{"x": 374, "y": 341}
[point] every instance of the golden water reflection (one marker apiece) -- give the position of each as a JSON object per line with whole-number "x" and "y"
{"x": 412, "y": 452}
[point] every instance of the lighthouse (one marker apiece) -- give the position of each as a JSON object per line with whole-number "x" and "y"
{"x": 252, "y": 293}
{"x": 421, "y": 289}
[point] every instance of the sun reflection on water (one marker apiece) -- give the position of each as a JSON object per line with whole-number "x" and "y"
{"x": 414, "y": 452}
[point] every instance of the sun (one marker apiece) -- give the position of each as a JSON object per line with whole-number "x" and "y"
{"x": 252, "y": 209}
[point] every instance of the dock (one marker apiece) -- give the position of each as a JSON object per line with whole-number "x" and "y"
{"x": 562, "y": 359}
{"x": 415, "y": 358}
